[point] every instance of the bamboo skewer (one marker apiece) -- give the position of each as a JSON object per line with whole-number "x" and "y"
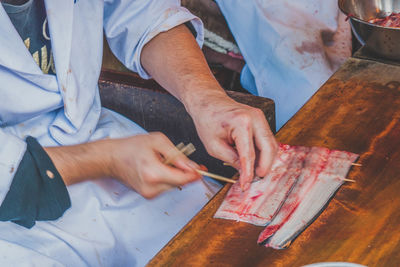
{"x": 216, "y": 176}
{"x": 168, "y": 160}
{"x": 186, "y": 150}
{"x": 189, "y": 149}
{"x": 353, "y": 164}
{"x": 180, "y": 146}
{"x": 227, "y": 164}
{"x": 348, "y": 180}
{"x": 343, "y": 179}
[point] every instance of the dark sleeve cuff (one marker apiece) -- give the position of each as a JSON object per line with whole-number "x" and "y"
{"x": 37, "y": 192}
{"x": 189, "y": 25}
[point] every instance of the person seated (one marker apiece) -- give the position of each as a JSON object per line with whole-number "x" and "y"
{"x": 80, "y": 184}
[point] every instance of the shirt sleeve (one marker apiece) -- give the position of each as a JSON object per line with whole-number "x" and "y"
{"x": 130, "y": 24}
{"x": 37, "y": 191}
{"x": 12, "y": 150}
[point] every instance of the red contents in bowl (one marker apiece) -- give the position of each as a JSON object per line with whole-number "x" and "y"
{"x": 392, "y": 21}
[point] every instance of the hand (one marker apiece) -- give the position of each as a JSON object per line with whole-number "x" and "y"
{"x": 138, "y": 162}
{"x": 235, "y": 133}
{"x": 230, "y": 131}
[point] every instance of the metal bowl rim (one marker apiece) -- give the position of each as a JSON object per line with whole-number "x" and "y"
{"x": 363, "y": 21}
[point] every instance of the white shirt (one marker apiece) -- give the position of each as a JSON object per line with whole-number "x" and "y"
{"x": 108, "y": 224}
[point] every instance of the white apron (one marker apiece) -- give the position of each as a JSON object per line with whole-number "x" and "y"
{"x": 291, "y": 47}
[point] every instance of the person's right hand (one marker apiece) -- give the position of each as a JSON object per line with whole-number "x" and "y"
{"x": 138, "y": 162}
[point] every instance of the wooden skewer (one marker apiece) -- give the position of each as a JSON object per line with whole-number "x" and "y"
{"x": 186, "y": 150}
{"x": 353, "y": 164}
{"x": 343, "y": 179}
{"x": 216, "y": 176}
{"x": 180, "y": 146}
{"x": 227, "y": 164}
{"x": 348, "y": 180}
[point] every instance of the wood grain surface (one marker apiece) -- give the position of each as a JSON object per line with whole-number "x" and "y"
{"x": 357, "y": 110}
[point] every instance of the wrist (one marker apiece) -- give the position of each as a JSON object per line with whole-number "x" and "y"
{"x": 100, "y": 157}
{"x": 81, "y": 162}
{"x": 201, "y": 95}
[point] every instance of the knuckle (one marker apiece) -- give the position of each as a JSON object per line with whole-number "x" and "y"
{"x": 212, "y": 152}
{"x": 258, "y": 112}
{"x": 244, "y": 118}
{"x": 157, "y": 135}
{"x": 150, "y": 176}
{"x": 212, "y": 149}
{"x": 267, "y": 135}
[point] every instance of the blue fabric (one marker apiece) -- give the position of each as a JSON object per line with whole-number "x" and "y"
{"x": 265, "y": 74}
{"x": 247, "y": 80}
{"x": 29, "y": 19}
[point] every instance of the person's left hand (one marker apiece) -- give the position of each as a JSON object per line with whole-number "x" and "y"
{"x": 235, "y": 133}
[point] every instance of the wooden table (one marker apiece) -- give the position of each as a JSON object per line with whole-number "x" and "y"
{"x": 357, "y": 110}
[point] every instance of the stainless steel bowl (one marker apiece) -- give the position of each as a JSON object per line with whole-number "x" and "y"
{"x": 383, "y": 41}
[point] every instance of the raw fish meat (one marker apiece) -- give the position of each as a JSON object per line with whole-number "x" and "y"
{"x": 260, "y": 203}
{"x": 315, "y": 187}
{"x": 391, "y": 21}
{"x": 292, "y": 195}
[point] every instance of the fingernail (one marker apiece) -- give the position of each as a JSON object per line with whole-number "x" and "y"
{"x": 192, "y": 165}
{"x": 246, "y": 186}
{"x": 203, "y": 168}
{"x": 242, "y": 187}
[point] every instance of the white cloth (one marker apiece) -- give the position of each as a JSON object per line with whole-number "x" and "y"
{"x": 108, "y": 224}
{"x": 291, "y": 47}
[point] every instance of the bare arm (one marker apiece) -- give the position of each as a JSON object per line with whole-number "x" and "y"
{"x": 136, "y": 161}
{"x": 81, "y": 162}
{"x": 174, "y": 60}
{"x": 230, "y": 131}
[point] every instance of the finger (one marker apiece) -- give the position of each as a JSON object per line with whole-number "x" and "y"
{"x": 158, "y": 177}
{"x": 243, "y": 138}
{"x": 221, "y": 150}
{"x": 267, "y": 147}
{"x": 203, "y": 168}
{"x": 174, "y": 176}
{"x": 166, "y": 148}
{"x": 185, "y": 169}
{"x": 153, "y": 191}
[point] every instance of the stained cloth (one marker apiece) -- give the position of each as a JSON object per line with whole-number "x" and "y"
{"x": 108, "y": 224}
{"x": 291, "y": 47}
{"x": 33, "y": 194}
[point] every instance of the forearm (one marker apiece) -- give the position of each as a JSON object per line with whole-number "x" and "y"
{"x": 230, "y": 131}
{"x": 81, "y": 162}
{"x": 174, "y": 60}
